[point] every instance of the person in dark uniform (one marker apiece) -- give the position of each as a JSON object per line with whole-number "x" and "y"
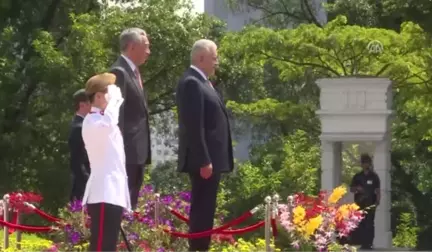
{"x": 79, "y": 163}
{"x": 366, "y": 188}
{"x": 205, "y": 146}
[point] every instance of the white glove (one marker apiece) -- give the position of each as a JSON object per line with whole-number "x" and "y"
{"x": 115, "y": 101}
{"x": 114, "y": 92}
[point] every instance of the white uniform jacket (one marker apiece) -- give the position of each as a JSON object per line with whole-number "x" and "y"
{"x": 108, "y": 182}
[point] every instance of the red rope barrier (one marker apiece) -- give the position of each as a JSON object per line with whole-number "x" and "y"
{"x": 220, "y": 230}
{"x": 234, "y": 231}
{"x": 30, "y": 229}
{"x": 243, "y": 230}
{"x": 212, "y": 231}
{"x": 179, "y": 215}
{"x": 13, "y": 221}
{"x": 46, "y": 216}
{"x": 186, "y": 219}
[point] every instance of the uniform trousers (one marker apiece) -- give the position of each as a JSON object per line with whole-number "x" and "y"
{"x": 105, "y": 226}
{"x": 203, "y": 208}
{"x": 367, "y": 228}
{"x": 135, "y": 181}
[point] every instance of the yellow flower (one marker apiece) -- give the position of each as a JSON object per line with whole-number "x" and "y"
{"x": 337, "y": 194}
{"x": 298, "y": 214}
{"x": 313, "y": 224}
{"x": 344, "y": 210}
{"x": 354, "y": 206}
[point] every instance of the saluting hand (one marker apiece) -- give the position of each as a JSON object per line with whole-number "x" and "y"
{"x": 114, "y": 96}
{"x": 115, "y": 100}
{"x": 114, "y": 92}
{"x": 206, "y": 171}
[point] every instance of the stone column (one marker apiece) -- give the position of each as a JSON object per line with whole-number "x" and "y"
{"x": 382, "y": 166}
{"x": 331, "y": 164}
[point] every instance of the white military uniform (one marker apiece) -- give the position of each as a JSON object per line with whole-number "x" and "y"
{"x": 108, "y": 182}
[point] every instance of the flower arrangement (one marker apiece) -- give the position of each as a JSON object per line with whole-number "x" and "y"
{"x": 312, "y": 223}
{"x": 317, "y": 221}
{"x": 140, "y": 226}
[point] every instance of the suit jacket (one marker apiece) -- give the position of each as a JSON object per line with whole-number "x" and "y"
{"x": 204, "y": 130}
{"x": 134, "y": 115}
{"x": 79, "y": 163}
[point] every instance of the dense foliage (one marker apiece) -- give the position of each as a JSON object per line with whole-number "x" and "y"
{"x": 285, "y": 64}
{"x": 49, "y": 48}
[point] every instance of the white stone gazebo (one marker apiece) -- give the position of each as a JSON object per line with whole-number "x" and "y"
{"x": 358, "y": 109}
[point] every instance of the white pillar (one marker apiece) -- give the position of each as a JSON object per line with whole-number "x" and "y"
{"x": 382, "y": 166}
{"x": 331, "y": 164}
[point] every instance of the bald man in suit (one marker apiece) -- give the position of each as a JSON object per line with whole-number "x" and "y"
{"x": 205, "y": 146}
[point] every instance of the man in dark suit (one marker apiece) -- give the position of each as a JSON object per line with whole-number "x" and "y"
{"x": 134, "y": 113}
{"x": 205, "y": 148}
{"x": 79, "y": 163}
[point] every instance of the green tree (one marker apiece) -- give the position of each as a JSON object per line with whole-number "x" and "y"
{"x": 406, "y": 232}
{"x": 302, "y": 55}
{"x": 283, "y": 165}
{"x": 167, "y": 180}
{"x": 32, "y": 72}
{"x": 389, "y": 14}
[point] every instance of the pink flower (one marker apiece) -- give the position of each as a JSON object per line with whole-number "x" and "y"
{"x": 295, "y": 244}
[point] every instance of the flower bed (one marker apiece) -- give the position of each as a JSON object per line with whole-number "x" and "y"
{"x": 142, "y": 233}
{"x": 312, "y": 223}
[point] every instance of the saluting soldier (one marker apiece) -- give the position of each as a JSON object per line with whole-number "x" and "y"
{"x": 107, "y": 192}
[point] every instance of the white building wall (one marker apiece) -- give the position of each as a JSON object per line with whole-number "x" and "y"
{"x": 235, "y": 20}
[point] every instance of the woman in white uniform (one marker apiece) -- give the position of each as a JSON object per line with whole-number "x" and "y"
{"x": 107, "y": 192}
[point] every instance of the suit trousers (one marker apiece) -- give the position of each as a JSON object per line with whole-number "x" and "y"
{"x": 135, "y": 180}
{"x": 78, "y": 187}
{"x": 203, "y": 208}
{"x": 105, "y": 226}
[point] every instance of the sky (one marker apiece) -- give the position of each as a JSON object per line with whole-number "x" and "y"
{"x": 199, "y": 5}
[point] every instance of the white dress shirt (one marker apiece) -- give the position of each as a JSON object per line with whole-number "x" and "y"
{"x": 103, "y": 140}
{"x": 202, "y": 74}
{"x": 130, "y": 63}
